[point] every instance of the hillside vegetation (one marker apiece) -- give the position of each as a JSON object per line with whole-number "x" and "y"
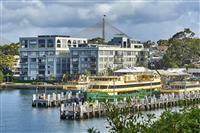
{"x": 183, "y": 49}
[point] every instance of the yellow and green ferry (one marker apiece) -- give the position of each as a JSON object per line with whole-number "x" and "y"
{"x": 125, "y": 83}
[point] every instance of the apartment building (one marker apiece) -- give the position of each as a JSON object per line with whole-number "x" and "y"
{"x": 45, "y": 56}
{"x": 95, "y": 58}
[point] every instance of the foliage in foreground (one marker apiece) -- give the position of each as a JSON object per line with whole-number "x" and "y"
{"x": 121, "y": 121}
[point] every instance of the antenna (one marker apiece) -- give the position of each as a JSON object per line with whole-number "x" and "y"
{"x": 103, "y": 28}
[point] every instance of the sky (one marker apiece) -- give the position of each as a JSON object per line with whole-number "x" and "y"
{"x": 142, "y": 20}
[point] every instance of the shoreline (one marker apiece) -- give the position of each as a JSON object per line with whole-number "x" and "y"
{"x": 29, "y": 86}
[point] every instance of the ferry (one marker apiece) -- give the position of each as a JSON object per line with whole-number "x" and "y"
{"x": 127, "y": 83}
{"x": 182, "y": 86}
{"x": 80, "y": 84}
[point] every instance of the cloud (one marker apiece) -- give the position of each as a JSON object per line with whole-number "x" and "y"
{"x": 141, "y": 19}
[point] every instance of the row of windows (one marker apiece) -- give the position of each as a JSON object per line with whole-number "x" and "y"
{"x": 125, "y": 86}
{"x": 40, "y": 53}
{"x": 49, "y": 43}
{"x": 124, "y": 53}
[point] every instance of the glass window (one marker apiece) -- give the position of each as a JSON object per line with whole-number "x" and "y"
{"x": 75, "y": 53}
{"x": 32, "y": 43}
{"x": 41, "y": 53}
{"x": 50, "y": 43}
{"x": 101, "y": 52}
{"x": 69, "y": 42}
{"x": 32, "y": 53}
{"x": 41, "y": 43}
{"x": 58, "y": 41}
{"x": 110, "y": 59}
{"x": 24, "y": 44}
{"x": 33, "y": 60}
{"x": 101, "y": 59}
{"x": 74, "y": 42}
{"x": 58, "y": 45}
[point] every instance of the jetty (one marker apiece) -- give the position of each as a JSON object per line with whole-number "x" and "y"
{"x": 82, "y": 110}
{"x": 54, "y": 99}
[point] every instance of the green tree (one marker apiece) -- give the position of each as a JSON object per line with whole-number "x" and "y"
{"x": 1, "y": 76}
{"x": 123, "y": 121}
{"x": 86, "y": 73}
{"x": 65, "y": 77}
{"x": 182, "y": 50}
{"x": 52, "y": 77}
{"x": 97, "y": 40}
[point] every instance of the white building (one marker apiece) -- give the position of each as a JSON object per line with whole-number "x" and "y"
{"x": 16, "y": 67}
{"x": 97, "y": 58}
{"x": 46, "y": 55}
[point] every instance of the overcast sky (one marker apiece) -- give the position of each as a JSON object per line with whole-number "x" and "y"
{"x": 141, "y": 20}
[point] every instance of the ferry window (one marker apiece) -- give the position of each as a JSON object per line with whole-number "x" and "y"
{"x": 74, "y": 42}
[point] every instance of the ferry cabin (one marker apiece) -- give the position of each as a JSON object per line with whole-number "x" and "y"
{"x": 124, "y": 83}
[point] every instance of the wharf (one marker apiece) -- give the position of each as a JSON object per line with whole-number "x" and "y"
{"x": 74, "y": 110}
{"x": 29, "y": 86}
{"x": 54, "y": 100}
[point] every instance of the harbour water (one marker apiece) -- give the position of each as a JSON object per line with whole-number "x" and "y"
{"x": 17, "y": 115}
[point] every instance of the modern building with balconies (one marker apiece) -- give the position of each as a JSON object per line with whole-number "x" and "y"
{"x": 46, "y": 55}
{"x": 97, "y": 58}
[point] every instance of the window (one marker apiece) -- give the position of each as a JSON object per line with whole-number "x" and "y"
{"x": 50, "y": 43}
{"x": 74, "y": 42}
{"x": 58, "y": 45}
{"x": 69, "y": 42}
{"x": 41, "y": 43}
{"x": 58, "y": 41}
{"x": 32, "y": 44}
{"x": 101, "y": 59}
{"x": 24, "y": 44}
{"x": 24, "y": 53}
{"x": 105, "y": 59}
{"x": 41, "y": 53}
{"x": 75, "y": 53}
{"x": 100, "y": 52}
{"x": 51, "y": 53}
{"x": 33, "y": 59}
{"x": 32, "y": 53}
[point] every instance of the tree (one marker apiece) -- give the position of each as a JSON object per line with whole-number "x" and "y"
{"x": 182, "y": 50}
{"x": 65, "y": 77}
{"x": 52, "y": 77}
{"x": 86, "y": 73}
{"x": 1, "y": 76}
{"x": 97, "y": 40}
{"x": 110, "y": 71}
{"x": 148, "y": 44}
{"x": 123, "y": 121}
